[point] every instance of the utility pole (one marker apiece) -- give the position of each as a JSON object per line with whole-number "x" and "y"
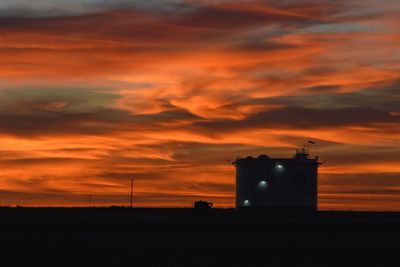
{"x": 90, "y": 201}
{"x": 130, "y": 205}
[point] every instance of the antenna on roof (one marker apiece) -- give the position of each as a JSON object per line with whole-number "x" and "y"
{"x": 304, "y": 151}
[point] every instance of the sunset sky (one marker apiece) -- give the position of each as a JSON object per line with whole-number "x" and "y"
{"x": 96, "y": 92}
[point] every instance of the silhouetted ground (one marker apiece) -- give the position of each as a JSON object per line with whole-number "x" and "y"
{"x": 180, "y": 237}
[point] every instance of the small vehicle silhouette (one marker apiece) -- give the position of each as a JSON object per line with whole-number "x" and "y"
{"x": 202, "y": 205}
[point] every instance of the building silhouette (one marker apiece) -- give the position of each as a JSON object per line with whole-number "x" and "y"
{"x": 277, "y": 182}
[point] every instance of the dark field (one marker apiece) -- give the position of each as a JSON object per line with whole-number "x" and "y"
{"x": 181, "y": 237}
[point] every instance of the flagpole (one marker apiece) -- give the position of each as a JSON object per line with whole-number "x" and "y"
{"x": 308, "y": 146}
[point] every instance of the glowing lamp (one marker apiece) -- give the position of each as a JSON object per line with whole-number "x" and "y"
{"x": 262, "y": 184}
{"x": 279, "y": 167}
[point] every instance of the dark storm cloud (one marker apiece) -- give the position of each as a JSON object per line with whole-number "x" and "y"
{"x": 84, "y": 111}
{"x": 298, "y": 117}
{"x": 322, "y": 89}
{"x": 200, "y": 22}
{"x": 63, "y": 111}
{"x": 126, "y": 31}
{"x": 385, "y": 97}
{"x": 197, "y": 153}
{"x": 373, "y": 105}
{"x": 48, "y": 8}
{"x": 260, "y": 45}
{"x": 232, "y": 16}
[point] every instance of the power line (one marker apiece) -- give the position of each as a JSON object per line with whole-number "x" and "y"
{"x": 130, "y": 204}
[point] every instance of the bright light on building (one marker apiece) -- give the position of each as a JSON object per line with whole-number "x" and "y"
{"x": 279, "y": 167}
{"x": 246, "y": 203}
{"x": 262, "y": 185}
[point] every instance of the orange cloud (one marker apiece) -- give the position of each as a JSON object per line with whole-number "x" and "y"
{"x": 90, "y": 100}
